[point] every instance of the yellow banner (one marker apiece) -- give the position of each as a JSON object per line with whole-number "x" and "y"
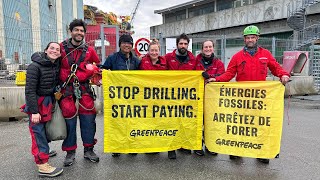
{"x": 244, "y": 119}
{"x": 152, "y": 111}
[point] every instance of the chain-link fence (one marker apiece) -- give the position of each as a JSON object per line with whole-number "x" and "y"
{"x": 19, "y": 50}
{"x": 16, "y": 51}
{"x": 225, "y": 48}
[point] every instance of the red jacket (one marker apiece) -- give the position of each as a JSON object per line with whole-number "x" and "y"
{"x": 216, "y": 68}
{"x": 82, "y": 73}
{"x": 252, "y": 68}
{"x": 146, "y": 63}
{"x": 174, "y": 64}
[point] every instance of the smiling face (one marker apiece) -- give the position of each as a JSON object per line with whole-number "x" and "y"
{"x": 251, "y": 40}
{"x": 125, "y": 47}
{"x": 53, "y": 51}
{"x": 77, "y": 34}
{"x": 154, "y": 51}
{"x": 207, "y": 48}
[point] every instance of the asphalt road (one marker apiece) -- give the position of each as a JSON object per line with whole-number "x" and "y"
{"x": 299, "y": 157}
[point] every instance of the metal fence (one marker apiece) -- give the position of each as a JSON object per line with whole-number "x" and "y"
{"x": 16, "y": 51}
{"x": 225, "y": 48}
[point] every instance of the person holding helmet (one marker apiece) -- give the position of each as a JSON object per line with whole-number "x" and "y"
{"x": 251, "y": 64}
{"x": 122, "y": 60}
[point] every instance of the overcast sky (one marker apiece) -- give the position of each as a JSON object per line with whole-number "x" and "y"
{"x": 144, "y": 17}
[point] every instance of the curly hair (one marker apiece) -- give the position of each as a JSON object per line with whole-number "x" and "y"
{"x": 78, "y": 22}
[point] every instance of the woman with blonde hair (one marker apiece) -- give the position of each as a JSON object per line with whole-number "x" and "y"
{"x": 153, "y": 60}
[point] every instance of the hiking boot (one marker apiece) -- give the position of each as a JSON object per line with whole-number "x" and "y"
{"x": 90, "y": 155}
{"x": 152, "y": 153}
{"x": 115, "y": 154}
{"x": 172, "y": 154}
{"x": 45, "y": 170}
{"x": 234, "y": 157}
{"x": 52, "y": 153}
{"x": 68, "y": 161}
{"x": 185, "y": 150}
{"x": 199, "y": 152}
{"x": 264, "y": 161}
{"x": 212, "y": 153}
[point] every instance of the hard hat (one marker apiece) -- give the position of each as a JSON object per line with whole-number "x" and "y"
{"x": 251, "y": 30}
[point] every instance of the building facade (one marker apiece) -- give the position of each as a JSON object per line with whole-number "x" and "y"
{"x": 27, "y": 26}
{"x": 228, "y": 18}
{"x": 284, "y": 25}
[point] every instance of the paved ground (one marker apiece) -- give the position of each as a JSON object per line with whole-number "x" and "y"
{"x": 299, "y": 158}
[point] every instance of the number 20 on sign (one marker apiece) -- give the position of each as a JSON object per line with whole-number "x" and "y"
{"x": 141, "y": 46}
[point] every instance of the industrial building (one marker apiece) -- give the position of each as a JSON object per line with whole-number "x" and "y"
{"x": 284, "y": 25}
{"x": 29, "y": 25}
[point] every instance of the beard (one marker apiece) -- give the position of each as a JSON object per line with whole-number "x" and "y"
{"x": 77, "y": 40}
{"x": 182, "y": 50}
{"x": 251, "y": 45}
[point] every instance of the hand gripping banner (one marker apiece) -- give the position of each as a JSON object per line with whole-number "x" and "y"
{"x": 152, "y": 111}
{"x": 244, "y": 119}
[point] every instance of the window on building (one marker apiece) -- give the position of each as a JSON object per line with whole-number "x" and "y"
{"x": 256, "y": 1}
{"x": 224, "y": 4}
{"x": 200, "y": 10}
{"x": 240, "y": 3}
{"x": 176, "y": 16}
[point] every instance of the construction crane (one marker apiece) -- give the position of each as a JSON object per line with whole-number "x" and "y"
{"x": 126, "y": 24}
{"x": 134, "y": 12}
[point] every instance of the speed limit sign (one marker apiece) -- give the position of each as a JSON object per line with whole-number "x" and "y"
{"x": 141, "y": 46}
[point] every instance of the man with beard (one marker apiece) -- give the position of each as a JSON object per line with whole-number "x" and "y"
{"x": 180, "y": 59}
{"x": 76, "y": 89}
{"x": 251, "y": 64}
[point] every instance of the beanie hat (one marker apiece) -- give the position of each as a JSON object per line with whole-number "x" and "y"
{"x": 126, "y": 38}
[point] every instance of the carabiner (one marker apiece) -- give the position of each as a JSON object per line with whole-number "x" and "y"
{"x": 74, "y": 68}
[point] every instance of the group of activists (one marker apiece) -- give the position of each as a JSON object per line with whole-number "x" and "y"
{"x": 63, "y": 71}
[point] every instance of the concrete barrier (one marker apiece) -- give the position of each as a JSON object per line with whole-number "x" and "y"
{"x": 299, "y": 85}
{"x": 11, "y": 100}
{"x": 13, "y": 97}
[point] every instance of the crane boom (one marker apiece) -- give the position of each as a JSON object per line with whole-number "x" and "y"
{"x": 134, "y": 11}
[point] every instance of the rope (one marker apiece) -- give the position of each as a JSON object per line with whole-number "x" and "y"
{"x": 77, "y": 107}
{"x": 86, "y": 108}
{"x": 288, "y": 106}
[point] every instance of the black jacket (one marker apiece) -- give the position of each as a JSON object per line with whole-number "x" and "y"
{"x": 118, "y": 61}
{"x": 42, "y": 78}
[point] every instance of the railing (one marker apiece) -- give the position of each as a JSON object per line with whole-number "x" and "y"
{"x": 303, "y": 37}
{"x": 299, "y": 5}
{"x": 296, "y": 13}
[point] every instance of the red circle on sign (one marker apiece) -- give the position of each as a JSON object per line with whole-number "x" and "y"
{"x": 141, "y": 46}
